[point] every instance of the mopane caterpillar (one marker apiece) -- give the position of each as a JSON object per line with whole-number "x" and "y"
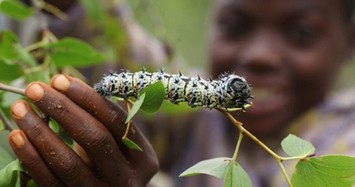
{"x": 228, "y": 92}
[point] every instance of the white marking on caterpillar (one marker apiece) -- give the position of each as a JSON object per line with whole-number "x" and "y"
{"x": 229, "y": 92}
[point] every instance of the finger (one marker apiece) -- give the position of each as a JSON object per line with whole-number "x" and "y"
{"x": 59, "y": 157}
{"x": 31, "y": 160}
{"x": 110, "y": 114}
{"x": 89, "y": 133}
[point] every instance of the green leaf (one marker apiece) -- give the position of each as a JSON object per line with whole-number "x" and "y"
{"x": 216, "y": 167}
{"x": 11, "y": 51}
{"x": 9, "y": 72}
{"x": 73, "y": 52}
{"x": 5, "y": 157}
{"x": 328, "y": 170}
{"x": 131, "y": 144}
{"x": 236, "y": 176}
{"x": 15, "y": 9}
{"x": 154, "y": 97}
{"x": 94, "y": 10}
{"x": 9, "y": 175}
{"x": 7, "y": 40}
{"x": 295, "y": 146}
{"x": 136, "y": 106}
{"x": 25, "y": 56}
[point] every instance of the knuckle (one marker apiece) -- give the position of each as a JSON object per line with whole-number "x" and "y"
{"x": 33, "y": 130}
{"x": 68, "y": 166}
{"x": 100, "y": 140}
{"x": 31, "y": 160}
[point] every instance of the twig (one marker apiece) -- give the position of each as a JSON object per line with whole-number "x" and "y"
{"x": 278, "y": 158}
{"x": 12, "y": 89}
{"x": 40, "y": 16}
{"x": 7, "y": 124}
{"x": 128, "y": 124}
{"x": 54, "y": 10}
{"x": 235, "y": 154}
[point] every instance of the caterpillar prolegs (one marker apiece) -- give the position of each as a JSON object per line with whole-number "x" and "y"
{"x": 228, "y": 92}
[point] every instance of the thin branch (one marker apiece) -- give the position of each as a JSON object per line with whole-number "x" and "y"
{"x": 7, "y": 124}
{"x": 278, "y": 158}
{"x": 129, "y": 123}
{"x": 235, "y": 154}
{"x": 39, "y": 14}
{"x": 12, "y": 89}
{"x": 54, "y": 10}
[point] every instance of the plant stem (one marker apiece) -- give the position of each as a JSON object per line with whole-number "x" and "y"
{"x": 279, "y": 162}
{"x": 128, "y": 124}
{"x": 235, "y": 154}
{"x": 12, "y": 89}
{"x": 6, "y": 122}
{"x": 278, "y": 158}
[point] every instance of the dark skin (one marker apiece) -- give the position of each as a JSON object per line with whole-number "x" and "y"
{"x": 95, "y": 123}
{"x": 289, "y": 51}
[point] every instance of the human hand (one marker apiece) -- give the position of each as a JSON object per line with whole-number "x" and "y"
{"x": 95, "y": 123}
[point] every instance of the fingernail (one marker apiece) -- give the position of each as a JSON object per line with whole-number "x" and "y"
{"x": 17, "y": 139}
{"x": 60, "y": 82}
{"x": 19, "y": 110}
{"x": 34, "y": 91}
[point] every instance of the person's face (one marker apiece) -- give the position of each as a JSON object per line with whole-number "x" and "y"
{"x": 289, "y": 51}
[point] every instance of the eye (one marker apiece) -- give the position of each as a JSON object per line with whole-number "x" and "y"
{"x": 302, "y": 35}
{"x": 232, "y": 27}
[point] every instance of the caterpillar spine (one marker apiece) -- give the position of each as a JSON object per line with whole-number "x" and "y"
{"x": 228, "y": 92}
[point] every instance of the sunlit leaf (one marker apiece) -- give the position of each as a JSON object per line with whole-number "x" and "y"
{"x": 94, "y": 10}
{"x": 9, "y": 72}
{"x": 329, "y": 170}
{"x": 5, "y": 157}
{"x": 154, "y": 97}
{"x": 236, "y": 176}
{"x": 295, "y": 146}
{"x": 216, "y": 167}
{"x": 7, "y": 40}
{"x": 136, "y": 106}
{"x": 15, "y": 9}
{"x": 131, "y": 144}
{"x": 9, "y": 175}
{"x": 73, "y": 52}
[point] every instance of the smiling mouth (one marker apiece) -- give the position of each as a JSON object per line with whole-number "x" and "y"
{"x": 268, "y": 101}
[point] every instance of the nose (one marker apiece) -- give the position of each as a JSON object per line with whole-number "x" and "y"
{"x": 262, "y": 53}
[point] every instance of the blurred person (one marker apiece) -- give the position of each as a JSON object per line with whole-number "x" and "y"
{"x": 289, "y": 51}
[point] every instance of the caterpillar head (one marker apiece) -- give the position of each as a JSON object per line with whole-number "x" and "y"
{"x": 238, "y": 91}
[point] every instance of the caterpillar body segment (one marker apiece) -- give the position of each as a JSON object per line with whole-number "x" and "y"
{"x": 229, "y": 92}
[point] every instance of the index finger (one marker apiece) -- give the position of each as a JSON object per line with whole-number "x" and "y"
{"x": 109, "y": 113}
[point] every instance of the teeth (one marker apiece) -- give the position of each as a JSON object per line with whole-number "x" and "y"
{"x": 262, "y": 93}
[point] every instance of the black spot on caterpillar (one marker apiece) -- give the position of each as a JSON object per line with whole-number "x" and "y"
{"x": 228, "y": 92}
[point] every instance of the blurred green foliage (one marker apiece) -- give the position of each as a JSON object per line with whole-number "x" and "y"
{"x": 183, "y": 24}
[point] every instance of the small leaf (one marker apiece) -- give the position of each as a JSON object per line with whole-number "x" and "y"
{"x": 295, "y": 146}
{"x": 7, "y": 40}
{"x": 131, "y": 144}
{"x": 5, "y": 157}
{"x": 136, "y": 106}
{"x": 15, "y": 9}
{"x": 154, "y": 97}
{"x": 73, "y": 52}
{"x": 11, "y": 51}
{"x": 328, "y": 170}
{"x": 94, "y": 10}
{"x": 236, "y": 176}
{"x": 216, "y": 167}
{"x": 9, "y": 72}
{"x": 10, "y": 173}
